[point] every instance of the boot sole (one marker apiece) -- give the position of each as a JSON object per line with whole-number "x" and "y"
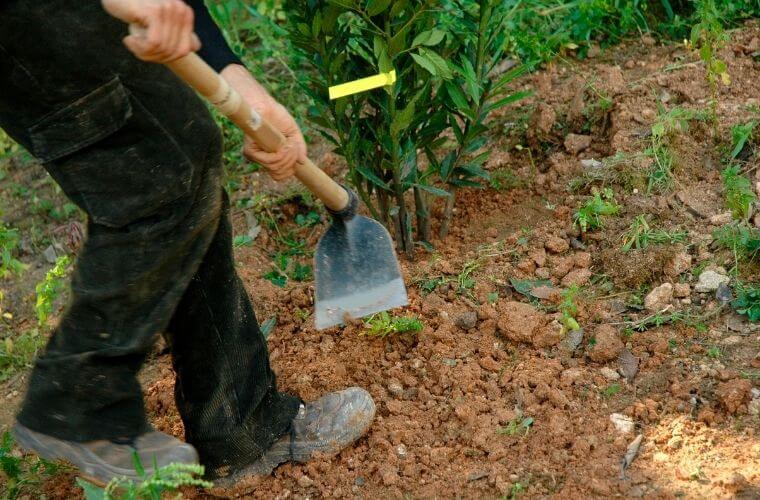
{"x": 90, "y": 466}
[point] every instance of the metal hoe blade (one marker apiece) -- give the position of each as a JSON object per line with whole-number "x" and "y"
{"x": 356, "y": 272}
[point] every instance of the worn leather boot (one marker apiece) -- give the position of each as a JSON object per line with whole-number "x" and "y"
{"x": 102, "y": 461}
{"x": 326, "y": 425}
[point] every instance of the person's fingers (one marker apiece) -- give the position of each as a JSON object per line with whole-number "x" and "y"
{"x": 174, "y": 31}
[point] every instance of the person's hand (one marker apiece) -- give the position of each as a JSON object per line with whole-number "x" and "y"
{"x": 167, "y": 28}
{"x": 281, "y": 164}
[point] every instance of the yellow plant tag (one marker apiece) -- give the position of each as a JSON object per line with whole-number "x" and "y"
{"x": 369, "y": 83}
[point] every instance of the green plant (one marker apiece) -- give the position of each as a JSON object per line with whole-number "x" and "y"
{"x": 287, "y": 268}
{"x": 50, "y": 288}
{"x": 9, "y": 241}
{"x": 667, "y": 124}
{"x": 444, "y": 55}
{"x": 165, "y": 479}
{"x": 747, "y": 301}
{"x": 591, "y": 214}
{"x": 708, "y": 36}
{"x": 21, "y": 473}
{"x": 741, "y": 134}
{"x": 641, "y": 235}
{"x": 714, "y": 352}
{"x": 518, "y": 425}
{"x": 739, "y": 192}
{"x": 382, "y": 325}
{"x": 569, "y": 309}
{"x": 611, "y": 390}
{"x": 742, "y": 239}
{"x": 17, "y": 353}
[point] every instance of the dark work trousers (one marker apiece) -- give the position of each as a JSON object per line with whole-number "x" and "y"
{"x": 138, "y": 151}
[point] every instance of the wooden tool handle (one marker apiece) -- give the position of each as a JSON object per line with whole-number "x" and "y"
{"x": 207, "y": 82}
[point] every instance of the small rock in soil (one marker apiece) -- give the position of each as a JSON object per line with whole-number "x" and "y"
{"x": 630, "y": 454}
{"x": 607, "y": 346}
{"x": 721, "y": 219}
{"x": 467, "y": 320}
{"x": 723, "y": 293}
{"x": 680, "y": 263}
{"x": 623, "y": 423}
{"x": 628, "y": 364}
{"x": 577, "y": 244}
{"x": 710, "y": 280}
{"x": 681, "y": 290}
{"x": 609, "y": 373}
{"x": 578, "y": 277}
{"x": 659, "y": 298}
{"x": 555, "y": 244}
{"x": 519, "y": 321}
{"x": 575, "y": 143}
{"x": 734, "y": 394}
{"x": 592, "y": 163}
{"x": 572, "y": 340}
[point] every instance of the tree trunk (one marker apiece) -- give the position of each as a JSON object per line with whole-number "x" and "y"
{"x": 448, "y": 213}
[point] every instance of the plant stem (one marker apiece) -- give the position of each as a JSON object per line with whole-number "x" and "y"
{"x": 448, "y": 212}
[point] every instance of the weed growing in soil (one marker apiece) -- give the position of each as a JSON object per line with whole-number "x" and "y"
{"x": 18, "y": 352}
{"x": 569, "y": 309}
{"x": 9, "y": 241}
{"x": 50, "y": 288}
{"x": 22, "y": 472}
{"x": 739, "y": 192}
{"x": 747, "y": 301}
{"x": 516, "y": 426}
{"x": 708, "y": 36}
{"x": 591, "y": 214}
{"x": 741, "y": 134}
{"x": 742, "y": 239}
{"x": 641, "y": 235}
{"x": 667, "y": 123}
{"x": 168, "y": 478}
{"x": 611, "y": 390}
{"x": 383, "y": 325}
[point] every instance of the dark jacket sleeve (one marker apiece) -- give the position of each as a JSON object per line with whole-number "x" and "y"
{"x": 214, "y": 48}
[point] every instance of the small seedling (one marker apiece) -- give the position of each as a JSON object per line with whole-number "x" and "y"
{"x": 592, "y": 213}
{"x": 708, "y": 37}
{"x": 9, "y": 242}
{"x": 242, "y": 240}
{"x": 742, "y": 240}
{"x": 518, "y": 425}
{"x": 569, "y": 309}
{"x": 741, "y": 134}
{"x": 611, "y": 390}
{"x": 50, "y": 288}
{"x": 383, "y": 325}
{"x": 165, "y": 479}
{"x": 17, "y": 353}
{"x": 641, "y": 235}
{"x": 739, "y": 192}
{"x": 22, "y": 473}
{"x": 714, "y": 352}
{"x": 492, "y": 297}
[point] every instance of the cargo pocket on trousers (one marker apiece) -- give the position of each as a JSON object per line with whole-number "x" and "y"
{"x": 112, "y": 157}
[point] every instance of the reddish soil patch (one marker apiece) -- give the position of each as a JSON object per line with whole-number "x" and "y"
{"x": 506, "y": 407}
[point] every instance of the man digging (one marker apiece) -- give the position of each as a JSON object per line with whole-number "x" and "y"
{"x": 138, "y": 151}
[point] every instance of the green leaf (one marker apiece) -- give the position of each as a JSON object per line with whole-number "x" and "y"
{"x": 471, "y": 80}
{"x": 375, "y": 7}
{"x": 370, "y": 176}
{"x": 458, "y": 98}
{"x": 517, "y": 96}
{"x": 526, "y": 287}
{"x": 403, "y": 119}
{"x": 138, "y": 464}
{"x": 425, "y": 63}
{"x": 440, "y": 64}
{"x": 91, "y": 492}
{"x": 433, "y": 190}
{"x": 242, "y": 240}
{"x": 429, "y": 38}
{"x": 267, "y": 326}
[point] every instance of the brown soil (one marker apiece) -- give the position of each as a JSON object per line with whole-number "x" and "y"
{"x": 506, "y": 408}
